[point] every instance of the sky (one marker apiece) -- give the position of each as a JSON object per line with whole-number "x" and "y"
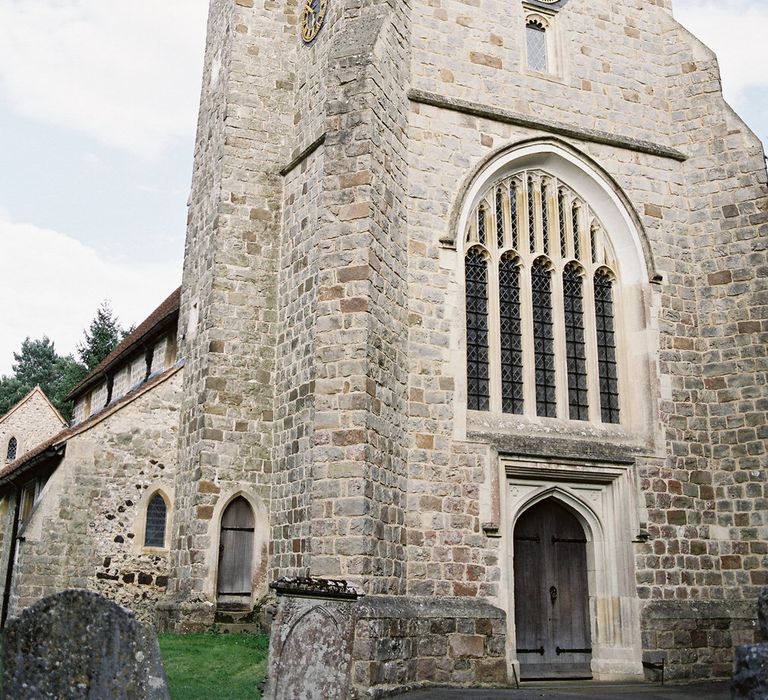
{"x": 98, "y": 104}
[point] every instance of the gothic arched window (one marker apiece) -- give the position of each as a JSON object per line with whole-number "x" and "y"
{"x": 13, "y": 447}
{"x": 154, "y": 530}
{"x": 540, "y": 312}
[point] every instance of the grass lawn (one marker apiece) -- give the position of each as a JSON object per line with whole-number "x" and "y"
{"x": 208, "y": 666}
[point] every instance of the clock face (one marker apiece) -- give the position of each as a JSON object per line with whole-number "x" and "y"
{"x": 312, "y": 18}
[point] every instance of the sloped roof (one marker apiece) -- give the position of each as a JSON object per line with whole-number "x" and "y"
{"x": 55, "y": 443}
{"x": 41, "y": 393}
{"x": 160, "y": 317}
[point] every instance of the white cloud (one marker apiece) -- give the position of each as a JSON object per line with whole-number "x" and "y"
{"x": 125, "y": 73}
{"x": 51, "y": 285}
{"x": 736, "y": 31}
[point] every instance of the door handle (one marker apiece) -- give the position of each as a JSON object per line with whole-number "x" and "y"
{"x": 553, "y": 594}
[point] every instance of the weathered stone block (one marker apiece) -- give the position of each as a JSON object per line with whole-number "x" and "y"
{"x": 77, "y": 644}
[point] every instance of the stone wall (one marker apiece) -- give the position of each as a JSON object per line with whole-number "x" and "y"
{"x": 228, "y": 330}
{"x": 83, "y": 532}
{"x": 32, "y": 421}
{"x": 323, "y": 315}
{"x": 403, "y": 642}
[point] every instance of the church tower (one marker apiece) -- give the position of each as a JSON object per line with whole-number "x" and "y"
{"x": 472, "y": 320}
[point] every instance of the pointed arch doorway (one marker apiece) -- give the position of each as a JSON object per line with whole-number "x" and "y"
{"x": 552, "y": 620}
{"x": 235, "y": 575}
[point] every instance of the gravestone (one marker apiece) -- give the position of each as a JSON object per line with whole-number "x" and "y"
{"x": 77, "y": 644}
{"x": 750, "y": 678}
{"x": 310, "y": 649}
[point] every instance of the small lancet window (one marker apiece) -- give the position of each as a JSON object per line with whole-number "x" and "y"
{"x": 478, "y": 385}
{"x": 154, "y": 531}
{"x": 13, "y": 447}
{"x": 536, "y": 40}
{"x": 606, "y": 347}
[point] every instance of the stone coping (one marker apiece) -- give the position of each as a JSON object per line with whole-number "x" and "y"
{"x": 372, "y": 607}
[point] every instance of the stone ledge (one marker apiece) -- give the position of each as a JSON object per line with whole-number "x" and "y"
{"x": 373, "y": 607}
{"x": 506, "y": 116}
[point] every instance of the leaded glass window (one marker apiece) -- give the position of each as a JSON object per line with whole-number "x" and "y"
{"x": 536, "y": 38}
{"x": 499, "y": 218}
{"x": 544, "y": 219}
{"x": 481, "y": 225}
{"x": 606, "y": 348}
{"x": 593, "y": 242}
{"x": 576, "y": 231}
{"x": 575, "y": 344}
{"x": 533, "y": 306}
{"x": 476, "y": 273}
{"x": 154, "y": 531}
{"x": 531, "y": 216}
{"x": 561, "y": 214}
{"x": 513, "y": 225}
{"x": 511, "y": 336}
{"x": 543, "y": 339}
{"x": 13, "y": 447}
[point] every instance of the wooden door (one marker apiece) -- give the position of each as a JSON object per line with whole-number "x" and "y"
{"x": 236, "y": 551}
{"x": 551, "y": 594}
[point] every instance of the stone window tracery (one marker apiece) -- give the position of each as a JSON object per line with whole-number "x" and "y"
{"x": 541, "y": 327}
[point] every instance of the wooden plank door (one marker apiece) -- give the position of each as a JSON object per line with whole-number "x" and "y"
{"x": 551, "y": 594}
{"x": 236, "y": 550}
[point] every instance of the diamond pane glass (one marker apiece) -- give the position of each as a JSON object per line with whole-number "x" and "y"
{"x": 13, "y": 447}
{"x": 481, "y": 225}
{"x": 576, "y": 232}
{"x": 543, "y": 339}
{"x": 476, "y": 275}
{"x": 499, "y": 218}
{"x": 531, "y": 217}
{"x": 511, "y": 337}
{"x": 575, "y": 344}
{"x": 544, "y": 219}
{"x": 537, "y": 48}
{"x": 606, "y": 348}
{"x": 154, "y": 533}
{"x": 593, "y": 243}
{"x": 513, "y": 227}
{"x": 561, "y": 222}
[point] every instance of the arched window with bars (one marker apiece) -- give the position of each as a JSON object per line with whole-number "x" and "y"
{"x": 13, "y": 448}
{"x": 541, "y": 330}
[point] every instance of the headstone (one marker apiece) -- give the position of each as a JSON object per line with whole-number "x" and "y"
{"x": 310, "y": 650}
{"x": 78, "y": 644}
{"x": 750, "y": 677}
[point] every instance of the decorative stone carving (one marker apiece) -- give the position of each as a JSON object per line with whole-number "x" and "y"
{"x": 311, "y": 644}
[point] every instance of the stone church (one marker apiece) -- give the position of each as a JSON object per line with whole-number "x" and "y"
{"x": 472, "y": 318}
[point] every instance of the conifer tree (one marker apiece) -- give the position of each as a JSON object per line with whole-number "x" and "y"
{"x": 101, "y": 337}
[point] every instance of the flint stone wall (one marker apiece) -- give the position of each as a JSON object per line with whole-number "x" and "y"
{"x": 77, "y": 644}
{"x": 85, "y": 528}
